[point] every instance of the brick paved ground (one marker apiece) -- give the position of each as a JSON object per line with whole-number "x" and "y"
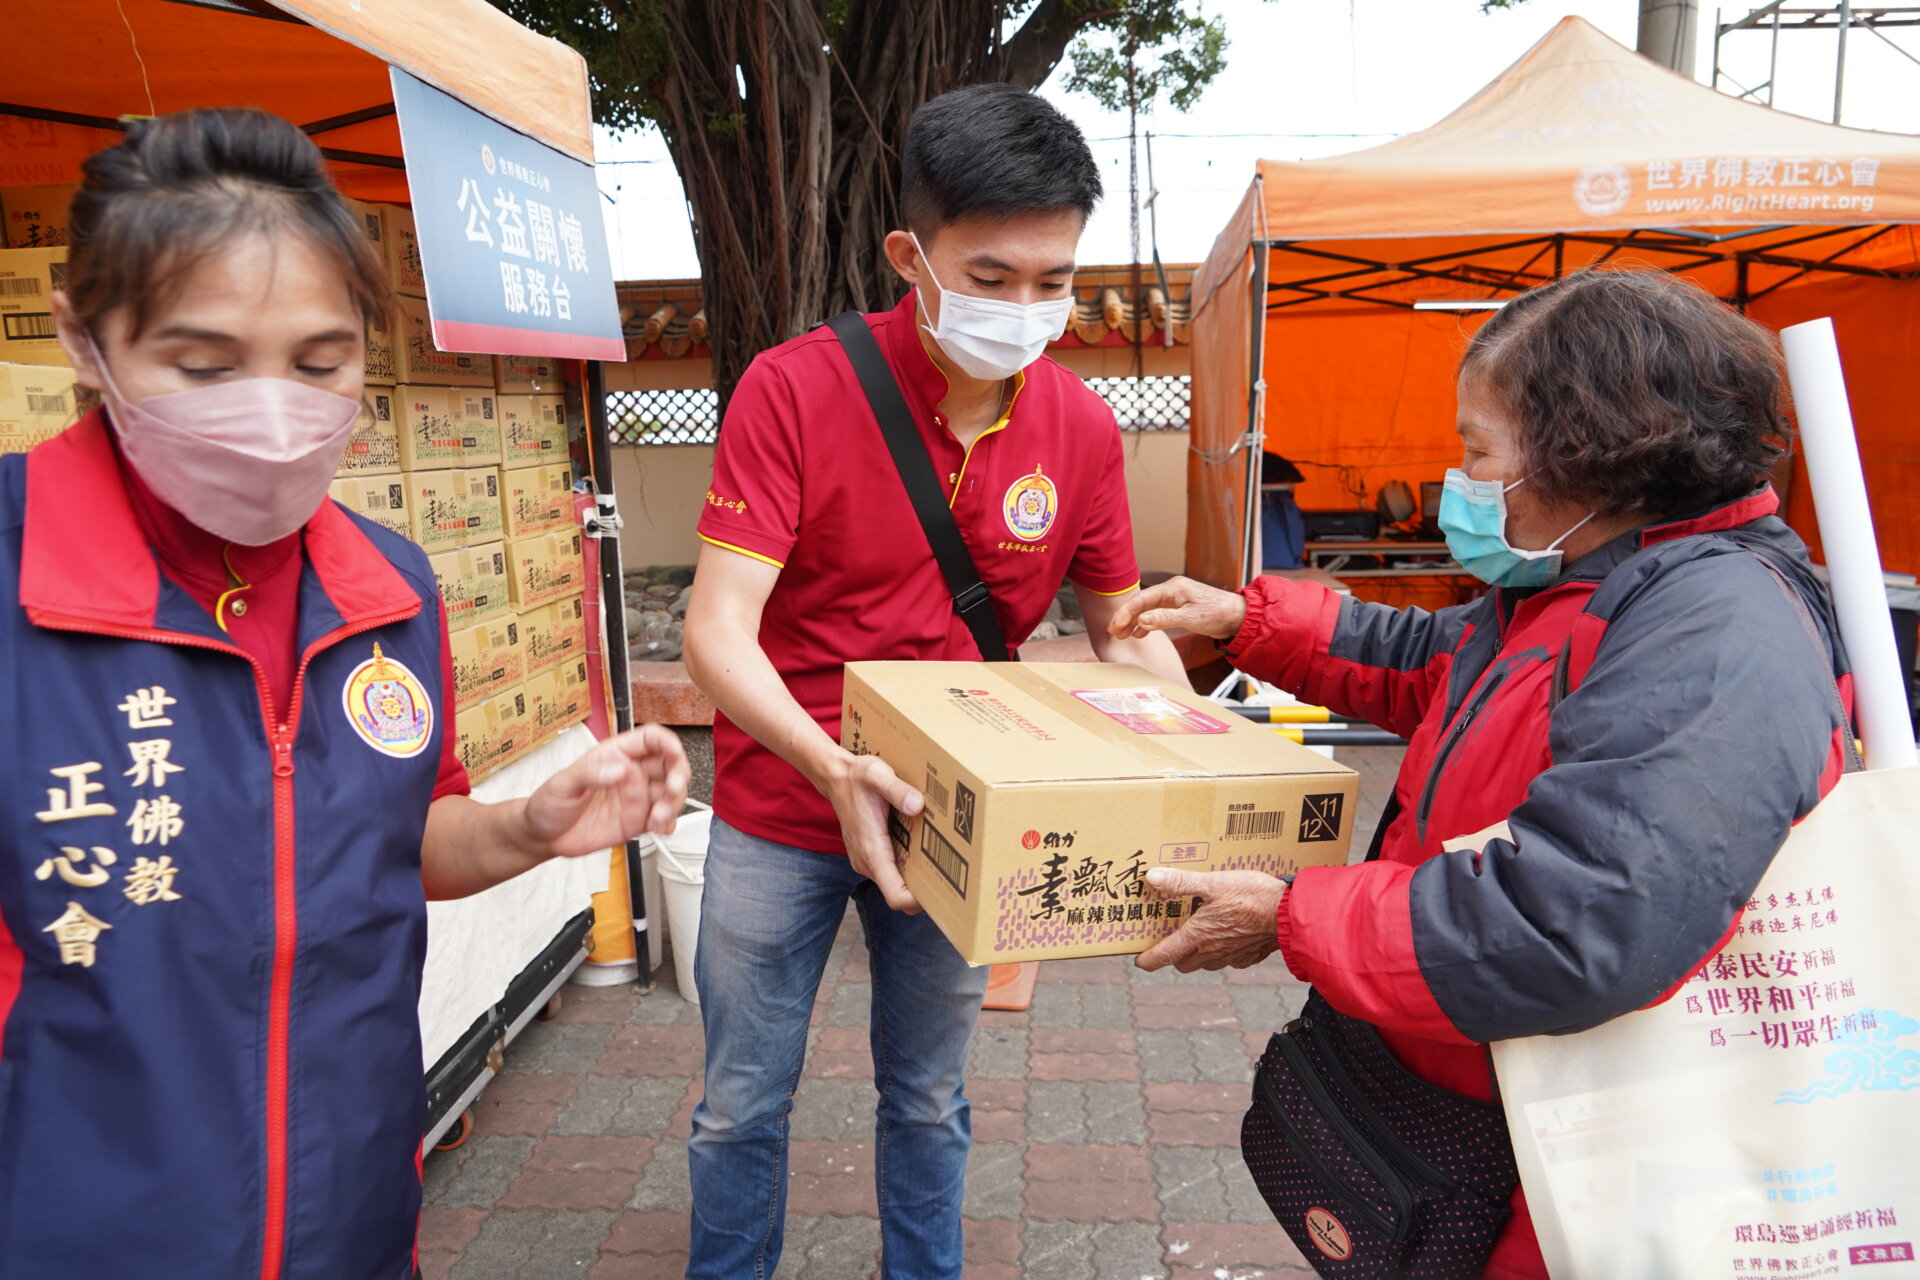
{"x": 1106, "y": 1122}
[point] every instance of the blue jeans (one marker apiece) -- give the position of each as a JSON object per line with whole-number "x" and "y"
{"x": 767, "y": 920}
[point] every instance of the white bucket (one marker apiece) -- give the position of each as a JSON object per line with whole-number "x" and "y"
{"x": 682, "y": 860}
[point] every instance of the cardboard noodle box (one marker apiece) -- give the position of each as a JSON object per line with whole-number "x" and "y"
{"x": 381, "y": 499}
{"x": 371, "y": 221}
{"x": 526, "y": 375}
{"x": 36, "y": 217}
{"x": 374, "y": 447}
{"x": 379, "y": 365}
{"x": 487, "y": 658}
{"x": 402, "y": 243}
{"x": 443, "y": 427}
{"x": 473, "y": 583}
{"x": 417, "y": 360}
{"x": 554, "y": 632}
{"x": 473, "y": 679}
{"x": 455, "y": 508}
{"x": 36, "y": 404}
{"x": 538, "y": 499}
{"x": 507, "y": 643}
{"x": 28, "y": 278}
{"x": 559, "y": 698}
{"x": 494, "y": 733}
{"x": 533, "y": 431}
{"x": 479, "y": 428}
{"x": 545, "y": 568}
{"x": 1052, "y": 788}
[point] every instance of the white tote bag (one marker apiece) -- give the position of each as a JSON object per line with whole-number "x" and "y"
{"x": 1765, "y": 1121}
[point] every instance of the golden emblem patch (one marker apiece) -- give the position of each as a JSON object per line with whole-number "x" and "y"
{"x": 1031, "y": 504}
{"x": 388, "y": 707}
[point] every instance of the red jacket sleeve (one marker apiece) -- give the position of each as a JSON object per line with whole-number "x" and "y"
{"x": 1702, "y": 732}
{"x": 1349, "y": 932}
{"x": 1381, "y": 664}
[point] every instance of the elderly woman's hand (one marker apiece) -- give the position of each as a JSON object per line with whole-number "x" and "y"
{"x": 1180, "y": 602}
{"x": 1236, "y": 926}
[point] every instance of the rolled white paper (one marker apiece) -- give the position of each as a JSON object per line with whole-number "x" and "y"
{"x": 1832, "y": 454}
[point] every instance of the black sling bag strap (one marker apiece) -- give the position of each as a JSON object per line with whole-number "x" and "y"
{"x": 971, "y": 599}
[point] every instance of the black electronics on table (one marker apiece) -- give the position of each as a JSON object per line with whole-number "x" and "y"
{"x": 1342, "y": 526}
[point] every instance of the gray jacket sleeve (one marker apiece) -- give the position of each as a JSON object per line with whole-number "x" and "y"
{"x": 1697, "y": 738}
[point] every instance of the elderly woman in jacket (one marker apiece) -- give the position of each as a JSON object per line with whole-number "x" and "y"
{"x": 1636, "y": 698}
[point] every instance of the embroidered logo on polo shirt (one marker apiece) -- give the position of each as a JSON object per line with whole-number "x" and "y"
{"x": 1031, "y": 505}
{"x": 388, "y": 707}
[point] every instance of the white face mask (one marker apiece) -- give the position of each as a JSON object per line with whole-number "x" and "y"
{"x": 990, "y": 339}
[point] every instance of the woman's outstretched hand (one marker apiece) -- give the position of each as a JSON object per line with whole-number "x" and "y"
{"x": 1180, "y": 602}
{"x": 630, "y": 785}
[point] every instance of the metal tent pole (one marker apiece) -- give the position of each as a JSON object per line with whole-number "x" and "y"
{"x": 613, "y": 594}
{"x": 1255, "y": 439}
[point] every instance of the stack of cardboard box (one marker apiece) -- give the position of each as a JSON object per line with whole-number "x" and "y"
{"x": 464, "y": 454}
{"x": 467, "y": 455}
{"x": 36, "y": 387}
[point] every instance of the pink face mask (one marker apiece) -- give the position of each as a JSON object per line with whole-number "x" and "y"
{"x": 247, "y": 460}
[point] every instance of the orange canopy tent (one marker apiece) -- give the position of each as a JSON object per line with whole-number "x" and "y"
{"x": 69, "y": 71}
{"x": 1332, "y": 310}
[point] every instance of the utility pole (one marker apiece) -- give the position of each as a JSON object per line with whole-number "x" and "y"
{"x": 1666, "y": 33}
{"x": 1840, "y": 58}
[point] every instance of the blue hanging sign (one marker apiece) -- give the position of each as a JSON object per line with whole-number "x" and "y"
{"x": 511, "y": 237}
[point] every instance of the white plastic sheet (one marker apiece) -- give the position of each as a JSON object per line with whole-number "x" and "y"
{"x": 477, "y": 945}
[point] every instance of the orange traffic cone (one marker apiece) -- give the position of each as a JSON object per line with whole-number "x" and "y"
{"x": 1010, "y": 986}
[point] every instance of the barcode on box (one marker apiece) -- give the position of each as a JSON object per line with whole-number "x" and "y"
{"x": 1257, "y": 824}
{"x": 20, "y": 287}
{"x": 46, "y": 404}
{"x": 947, "y": 860}
{"x": 28, "y": 325}
{"x": 938, "y": 798}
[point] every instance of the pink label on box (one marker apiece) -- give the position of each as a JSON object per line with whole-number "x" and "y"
{"x": 1148, "y": 711}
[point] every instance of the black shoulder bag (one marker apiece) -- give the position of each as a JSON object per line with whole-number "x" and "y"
{"x": 971, "y": 599}
{"x": 1375, "y": 1173}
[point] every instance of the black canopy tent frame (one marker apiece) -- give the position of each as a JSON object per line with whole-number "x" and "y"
{"x": 1692, "y": 249}
{"x": 372, "y": 158}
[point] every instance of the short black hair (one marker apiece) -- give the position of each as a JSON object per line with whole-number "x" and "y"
{"x": 177, "y": 186}
{"x": 1636, "y": 391}
{"x": 993, "y": 151}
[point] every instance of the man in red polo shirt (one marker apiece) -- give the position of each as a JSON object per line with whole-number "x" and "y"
{"x": 814, "y": 559}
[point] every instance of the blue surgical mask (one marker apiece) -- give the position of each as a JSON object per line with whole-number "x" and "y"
{"x": 1473, "y": 516}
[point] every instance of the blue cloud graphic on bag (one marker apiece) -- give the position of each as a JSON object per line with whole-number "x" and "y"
{"x": 1870, "y": 1059}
